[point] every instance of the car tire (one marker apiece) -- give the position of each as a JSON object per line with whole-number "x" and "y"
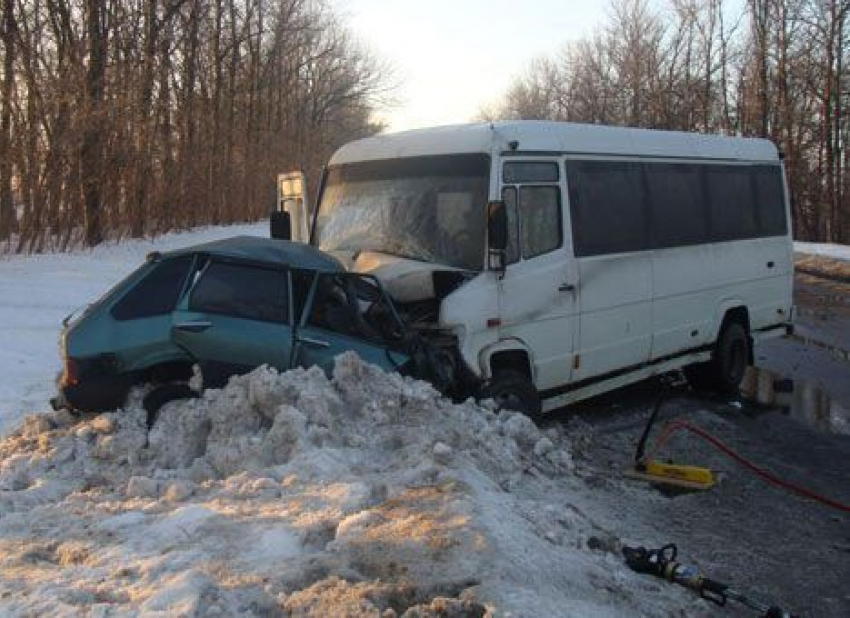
{"x": 512, "y": 390}
{"x": 729, "y": 360}
{"x": 164, "y": 394}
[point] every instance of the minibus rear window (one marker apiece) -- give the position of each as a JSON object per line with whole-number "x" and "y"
{"x": 771, "y": 200}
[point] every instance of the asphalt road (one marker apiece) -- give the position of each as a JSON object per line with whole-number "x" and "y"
{"x": 819, "y": 350}
{"x": 776, "y": 546}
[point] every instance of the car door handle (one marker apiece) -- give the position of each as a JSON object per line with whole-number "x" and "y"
{"x": 770, "y": 264}
{"x": 318, "y": 343}
{"x": 567, "y": 287}
{"x": 195, "y": 326}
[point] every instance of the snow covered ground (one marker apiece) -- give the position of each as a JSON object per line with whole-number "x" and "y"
{"x": 38, "y": 291}
{"x": 836, "y": 252}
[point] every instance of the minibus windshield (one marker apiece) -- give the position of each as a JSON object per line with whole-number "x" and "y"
{"x": 424, "y": 208}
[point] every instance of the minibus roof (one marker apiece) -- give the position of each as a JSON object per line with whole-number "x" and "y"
{"x": 534, "y": 136}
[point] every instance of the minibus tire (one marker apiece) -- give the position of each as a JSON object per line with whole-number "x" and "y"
{"x": 512, "y": 390}
{"x": 730, "y": 358}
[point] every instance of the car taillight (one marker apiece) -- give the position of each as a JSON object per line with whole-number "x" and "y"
{"x": 70, "y": 371}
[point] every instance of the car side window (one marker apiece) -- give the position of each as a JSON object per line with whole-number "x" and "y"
{"x": 241, "y": 291}
{"x": 157, "y": 293}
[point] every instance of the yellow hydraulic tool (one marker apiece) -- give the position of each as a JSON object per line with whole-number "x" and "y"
{"x": 688, "y": 477}
{"x": 657, "y": 472}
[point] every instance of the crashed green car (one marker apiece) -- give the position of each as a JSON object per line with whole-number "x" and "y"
{"x": 229, "y": 306}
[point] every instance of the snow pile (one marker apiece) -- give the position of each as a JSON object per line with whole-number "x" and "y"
{"x": 365, "y": 494}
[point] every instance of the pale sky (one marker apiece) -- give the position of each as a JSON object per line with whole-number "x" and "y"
{"x": 450, "y": 57}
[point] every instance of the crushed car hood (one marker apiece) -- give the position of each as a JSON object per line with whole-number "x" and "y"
{"x": 404, "y": 279}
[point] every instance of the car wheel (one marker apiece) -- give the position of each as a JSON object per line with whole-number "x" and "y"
{"x": 164, "y": 394}
{"x": 512, "y": 390}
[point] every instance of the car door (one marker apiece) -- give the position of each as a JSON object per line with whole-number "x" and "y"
{"x": 345, "y": 312}
{"x": 538, "y": 292}
{"x": 234, "y": 318}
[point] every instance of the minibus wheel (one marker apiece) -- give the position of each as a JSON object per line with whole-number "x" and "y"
{"x": 730, "y": 358}
{"x": 512, "y": 390}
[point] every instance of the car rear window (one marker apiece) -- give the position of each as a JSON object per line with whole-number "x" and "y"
{"x": 240, "y": 291}
{"x": 157, "y": 293}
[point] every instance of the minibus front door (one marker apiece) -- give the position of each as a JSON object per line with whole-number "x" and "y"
{"x": 539, "y": 289}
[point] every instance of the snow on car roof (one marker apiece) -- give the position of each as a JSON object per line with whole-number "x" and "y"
{"x": 294, "y": 254}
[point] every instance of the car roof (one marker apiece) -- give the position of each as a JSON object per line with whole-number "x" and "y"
{"x": 297, "y": 255}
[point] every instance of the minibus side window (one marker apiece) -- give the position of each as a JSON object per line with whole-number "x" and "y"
{"x": 731, "y": 203}
{"x": 677, "y": 204}
{"x": 529, "y": 171}
{"x": 540, "y": 219}
{"x": 509, "y": 196}
{"x": 607, "y": 207}
{"x": 534, "y": 208}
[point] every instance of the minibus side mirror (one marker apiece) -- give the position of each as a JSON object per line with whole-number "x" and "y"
{"x": 497, "y": 234}
{"x": 281, "y": 225}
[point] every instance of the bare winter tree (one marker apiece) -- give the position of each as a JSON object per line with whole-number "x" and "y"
{"x": 9, "y": 35}
{"x": 139, "y": 116}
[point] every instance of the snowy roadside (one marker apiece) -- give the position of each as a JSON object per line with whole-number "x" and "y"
{"x": 834, "y": 251}
{"x": 292, "y": 494}
{"x": 38, "y": 291}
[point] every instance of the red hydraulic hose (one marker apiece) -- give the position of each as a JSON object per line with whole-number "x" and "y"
{"x": 677, "y": 424}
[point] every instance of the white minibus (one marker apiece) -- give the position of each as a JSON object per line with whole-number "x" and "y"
{"x": 555, "y": 261}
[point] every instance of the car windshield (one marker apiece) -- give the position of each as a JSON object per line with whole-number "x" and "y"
{"x": 424, "y": 208}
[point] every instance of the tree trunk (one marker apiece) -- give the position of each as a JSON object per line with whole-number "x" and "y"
{"x": 7, "y": 203}
{"x": 91, "y": 152}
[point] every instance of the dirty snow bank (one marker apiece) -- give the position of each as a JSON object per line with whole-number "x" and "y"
{"x": 363, "y": 495}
